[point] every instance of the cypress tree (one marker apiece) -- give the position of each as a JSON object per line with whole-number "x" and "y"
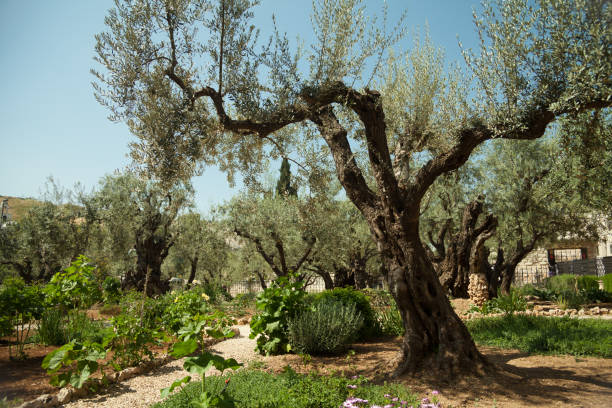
{"x": 283, "y": 186}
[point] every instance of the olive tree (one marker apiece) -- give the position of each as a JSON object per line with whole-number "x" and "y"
{"x": 138, "y": 216}
{"x": 196, "y": 63}
{"x": 200, "y": 248}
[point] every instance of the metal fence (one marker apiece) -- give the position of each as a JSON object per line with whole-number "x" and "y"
{"x": 537, "y": 274}
{"x": 316, "y": 285}
{"x": 253, "y": 286}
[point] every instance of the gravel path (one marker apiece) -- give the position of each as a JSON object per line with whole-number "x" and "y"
{"x": 144, "y": 390}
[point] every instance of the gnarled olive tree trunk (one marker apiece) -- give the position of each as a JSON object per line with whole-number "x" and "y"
{"x": 151, "y": 252}
{"x": 435, "y": 336}
{"x": 455, "y": 263}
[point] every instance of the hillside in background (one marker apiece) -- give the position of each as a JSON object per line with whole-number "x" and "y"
{"x": 18, "y": 206}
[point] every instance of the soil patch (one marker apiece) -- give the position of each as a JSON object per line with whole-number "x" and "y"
{"x": 520, "y": 379}
{"x": 24, "y": 379}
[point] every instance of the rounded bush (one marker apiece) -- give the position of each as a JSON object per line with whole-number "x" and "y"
{"x": 327, "y": 328}
{"x": 347, "y": 295}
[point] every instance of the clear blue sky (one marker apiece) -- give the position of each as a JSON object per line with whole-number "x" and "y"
{"x": 50, "y": 123}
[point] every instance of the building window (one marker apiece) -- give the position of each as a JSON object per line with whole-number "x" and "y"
{"x": 564, "y": 255}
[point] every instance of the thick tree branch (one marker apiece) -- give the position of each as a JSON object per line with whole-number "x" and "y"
{"x": 269, "y": 259}
{"x": 348, "y": 171}
{"x": 304, "y": 257}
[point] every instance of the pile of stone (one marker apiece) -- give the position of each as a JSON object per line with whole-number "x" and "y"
{"x": 550, "y": 309}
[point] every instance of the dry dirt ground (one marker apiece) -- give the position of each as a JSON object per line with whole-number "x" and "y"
{"x": 520, "y": 380}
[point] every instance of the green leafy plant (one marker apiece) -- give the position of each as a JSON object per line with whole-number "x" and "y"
{"x": 184, "y": 304}
{"x": 215, "y": 325}
{"x": 75, "y": 287}
{"x": 276, "y": 306}
{"x": 569, "y": 299}
{"x": 130, "y": 341}
{"x": 20, "y": 306}
{"x": 325, "y": 329}
{"x": 79, "y": 361}
{"x": 388, "y": 318}
{"x": 507, "y": 304}
{"x": 111, "y": 290}
{"x": 510, "y": 303}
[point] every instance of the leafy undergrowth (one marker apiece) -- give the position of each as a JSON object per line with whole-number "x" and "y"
{"x": 259, "y": 389}
{"x": 545, "y": 335}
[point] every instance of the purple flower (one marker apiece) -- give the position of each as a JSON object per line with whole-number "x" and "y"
{"x": 352, "y": 401}
{"x": 435, "y": 392}
{"x": 425, "y": 400}
{"x": 351, "y": 386}
{"x": 354, "y": 377}
{"x": 387, "y": 395}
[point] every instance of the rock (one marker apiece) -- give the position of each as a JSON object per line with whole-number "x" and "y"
{"x": 595, "y": 310}
{"x": 581, "y": 312}
{"x": 45, "y": 400}
{"x": 604, "y": 310}
{"x": 127, "y": 373}
{"x": 64, "y": 396}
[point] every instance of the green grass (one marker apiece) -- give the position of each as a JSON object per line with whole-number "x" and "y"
{"x": 545, "y": 335}
{"x": 258, "y": 389}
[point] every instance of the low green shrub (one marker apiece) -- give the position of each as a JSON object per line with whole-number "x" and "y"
{"x": 57, "y": 328}
{"x": 507, "y": 304}
{"x": 567, "y": 282}
{"x": 79, "y": 327}
{"x": 110, "y": 310}
{"x": 607, "y": 281}
{"x": 258, "y": 389}
{"x": 327, "y": 328}
{"x": 597, "y": 296}
{"x": 545, "y": 335}
{"x": 587, "y": 282}
{"x": 151, "y": 314}
{"x": 568, "y": 299}
{"x": 349, "y": 295}
{"x": 531, "y": 290}
{"x": 510, "y": 303}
